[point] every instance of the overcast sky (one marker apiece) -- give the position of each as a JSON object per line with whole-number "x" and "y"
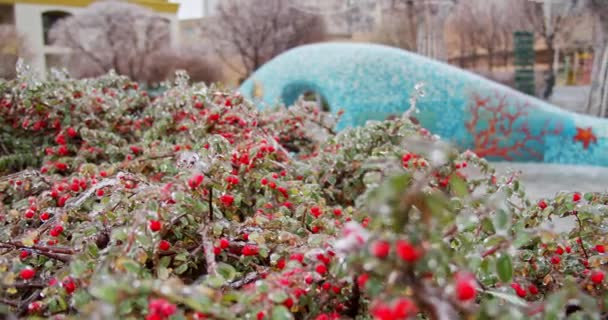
{"x": 189, "y": 8}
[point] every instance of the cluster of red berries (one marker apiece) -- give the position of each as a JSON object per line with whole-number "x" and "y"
{"x": 521, "y": 291}
{"x": 401, "y": 308}
{"x": 160, "y": 309}
{"x": 404, "y": 249}
{"x": 413, "y": 160}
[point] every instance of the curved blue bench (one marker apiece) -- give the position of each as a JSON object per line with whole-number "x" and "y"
{"x": 373, "y": 82}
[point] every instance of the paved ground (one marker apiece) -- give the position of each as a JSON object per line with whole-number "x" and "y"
{"x": 544, "y": 180}
{"x": 573, "y": 98}
{"x": 541, "y": 180}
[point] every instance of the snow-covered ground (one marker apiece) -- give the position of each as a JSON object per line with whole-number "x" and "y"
{"x": 543, "y": 180}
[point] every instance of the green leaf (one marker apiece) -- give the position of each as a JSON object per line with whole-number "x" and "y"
{"x": 504, "y": 268}
{"x": 181, "y": 269}
{"x": 105, "y": 293}
{"x": 459, "y": 186}
{"x": 78, "y": 268}
{"x": 502, "y": 220}
{"x": 278, "y": 296}
{"x": 227, "y": 271}
{"x": 509, "y": 298}
{"x": 281, "y": 313}
{"x": 215, "y": 281}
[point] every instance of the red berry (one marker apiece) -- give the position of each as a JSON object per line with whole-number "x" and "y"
{"x": 521, "y": 292}
{"x": 288, "y": 303}
{"x": 264, "y": 181}
{"x": 103, "y": 174}
{"x": 27, "y": 273}
{"x": 45, "y": 216}
{"x": 407, "y": 252}
{"x": 600, "y": 248}
{"x": 61, "y": 166}
{"x": 315, "y": 211}
{"x": 196, "y": 181}
{"x": 60, "y": 139}
{"x": 321, "y": 269}
{"x": 559, "y": 250}
{"x": 380, "y": 249}
{"x": 61, "y": 202}
{"x": 155, "y": 225}
{"x": 533, "y": 289}
{"x": 250, "y": 250}
{"x": 217, "y": 250}
{"x": 56, "y": 231}
{"x": 576, "y": 197}
{"x": 69, "y": 285}
{"x": 337, "y": 212}
{"x": 281, "y": 264}
{"x": 404, "y": 308}
{"x": 224, "y": 243}
{"x": 597, "y": 276}
{"x": 297, "y": 257}
{"x": 362, "y": 279}
{"x": 568, "y": 249}
{"x": 465, "y": 287}
{"x": 227, "y": 199}
{"x": 24, "y": 254}
{"x": 308, "y": 279}
{"x": 260, "y": 315}
{"x": 100, "y": 192}
{"x": 34, "y": 307}
{"x": 542, "y": 204}
{"x": 29, "y": 214}
{"x": 555, "y": 260}
{"x": 164, "y": 245}
{"x": 71, "y": 132}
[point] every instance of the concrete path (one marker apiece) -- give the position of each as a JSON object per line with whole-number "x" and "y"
{"x": 541, "y": 180}
{"x": 573, "y": 98}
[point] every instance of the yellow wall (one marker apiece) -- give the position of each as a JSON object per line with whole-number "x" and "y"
{"x": 156, "y": 5}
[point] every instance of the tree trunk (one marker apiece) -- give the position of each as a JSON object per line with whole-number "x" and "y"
{"x": 596, "y": 102}
{"x": 490, "y": 60}
{"x": 550, "y": 75}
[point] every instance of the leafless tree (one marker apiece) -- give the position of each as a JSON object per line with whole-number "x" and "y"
{"x": 12, "y": 47}
{"x": 598, "y": 97}
{"x": 196, "y": 62}
{"x": 113, "y": 35}
{"x": 255, "y": 31}
{"x": 399, "y": 25}
{"x": 549, "y": 27}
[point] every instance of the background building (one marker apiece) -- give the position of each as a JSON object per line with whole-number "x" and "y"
{"x": 34, "y": 18}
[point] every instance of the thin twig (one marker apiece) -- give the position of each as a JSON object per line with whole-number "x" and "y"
{"x": 207, "y": 246}
{"x": 39, "y": 248}
{"x": 61, "y": 254}
{"x": 9, "y": 302}
{"x": 580, "y": 229}
{"x": 247, "y": 279}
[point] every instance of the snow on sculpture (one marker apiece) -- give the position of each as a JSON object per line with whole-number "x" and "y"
{"x": 373, "y": 82}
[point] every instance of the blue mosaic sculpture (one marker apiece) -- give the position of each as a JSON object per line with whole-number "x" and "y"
{"x": 373, "y": 82}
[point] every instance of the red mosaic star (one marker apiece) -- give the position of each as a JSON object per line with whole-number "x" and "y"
{"x": 585, "y": 136}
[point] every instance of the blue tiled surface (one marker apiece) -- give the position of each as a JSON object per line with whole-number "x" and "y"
{"x": 371, "y": 82}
